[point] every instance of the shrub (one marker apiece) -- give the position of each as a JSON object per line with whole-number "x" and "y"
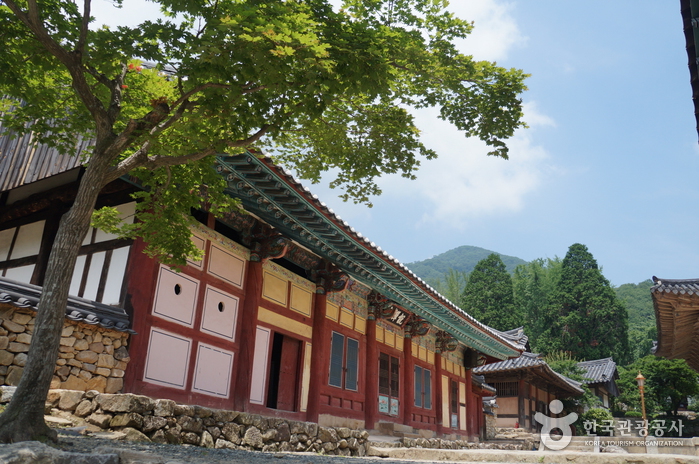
{"x": 596, "y": 421}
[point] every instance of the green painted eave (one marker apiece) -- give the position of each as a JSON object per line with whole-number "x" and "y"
{"x": 273, "y": 195}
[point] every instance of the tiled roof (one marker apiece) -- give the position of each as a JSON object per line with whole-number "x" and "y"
{"x": 675, "y": 286}
{"x": 534, "y": 362}
{"x": 516, "y": 336}
{"x": 21, "y": 295}
{"x": 599, "y": 370}
{"x": 480, "y": 381}
{"x": 524, "y": 361}
{"x": 273, "y": 194}
{"x": 23, "y": 162}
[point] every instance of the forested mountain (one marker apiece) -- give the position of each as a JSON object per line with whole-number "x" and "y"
{"x": 536, "y": 288}
{"x": 638, "y": 303}
{"x": 461, "y": 259}
{"x": 642, "y": 328}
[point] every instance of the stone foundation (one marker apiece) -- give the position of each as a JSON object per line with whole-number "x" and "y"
{"x": 490, "y": 426}
{"x": 140, "y": 418}
{"x": 89, "y": 358}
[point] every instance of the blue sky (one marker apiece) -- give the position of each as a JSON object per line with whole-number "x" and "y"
{"x": 610, "y": 159}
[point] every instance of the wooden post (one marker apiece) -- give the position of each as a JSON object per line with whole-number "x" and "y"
{"x": 320, "y": 357}
{"x": 438, "y": 400}
{"x": 471, "y": 410}
{"x": 142, "y": 274}
{"x": 520, "y": 403}
{"x": 248, "y": 323}
{"x": 408, "y": 396}
{"x": 371, "y": 381}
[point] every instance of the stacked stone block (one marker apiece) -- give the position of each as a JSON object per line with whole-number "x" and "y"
{"x": 89, "y": 357}
{"x": 165, "y": 421}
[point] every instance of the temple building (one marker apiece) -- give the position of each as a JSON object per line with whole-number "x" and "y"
{"x": 290, "y": 312}
{"x": 600, "y": 376}
{"x": 676, "y": 304}
{"x": 526, "y": 385}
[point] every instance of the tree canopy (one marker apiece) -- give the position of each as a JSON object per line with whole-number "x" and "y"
{"x": 588, "y": 320}
{"x": 642, "y": 327}
{"x": 668, "y": 384}
{"x": 533, "y": 284}
{"x": 488, "y": 295}
{"x": 324, "y": 87}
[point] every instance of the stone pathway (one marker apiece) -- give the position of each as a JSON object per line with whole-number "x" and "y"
{"x": 74, "y": 448}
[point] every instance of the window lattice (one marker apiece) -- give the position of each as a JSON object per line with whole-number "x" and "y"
{"x": 506, "y": 388}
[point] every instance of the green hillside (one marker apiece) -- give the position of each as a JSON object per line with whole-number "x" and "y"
{"x": 462, "y": 259}
{"x": 642, "y": 329}
{"x": 638, "y": 302}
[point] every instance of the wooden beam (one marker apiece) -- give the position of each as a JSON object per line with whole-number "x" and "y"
{"x": 60, "y": 198}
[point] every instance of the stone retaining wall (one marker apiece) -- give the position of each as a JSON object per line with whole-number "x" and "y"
{"x": 140, "y": 418}
{"x": 89, "y": 358}
{"x": 164, "y": 421}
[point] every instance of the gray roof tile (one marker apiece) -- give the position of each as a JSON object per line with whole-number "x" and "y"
{"x": 599, "y": 370}
{"x": 676, "y": 286}
{"x": 21, "y": 295}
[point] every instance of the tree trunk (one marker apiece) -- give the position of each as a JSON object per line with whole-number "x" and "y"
{"x": 23, "y": 419}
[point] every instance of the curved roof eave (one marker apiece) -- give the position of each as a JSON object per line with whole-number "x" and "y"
{"x": 275, "y": 195}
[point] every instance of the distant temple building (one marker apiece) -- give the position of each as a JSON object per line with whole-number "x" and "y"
{"x": 600, "y": 376}
{"x": 525, "y": 386}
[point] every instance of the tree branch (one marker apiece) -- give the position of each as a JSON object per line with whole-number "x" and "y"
{"x": 71, "y": 61}
{"x": 141, "y": 159}
{"x": 84, "y": 27}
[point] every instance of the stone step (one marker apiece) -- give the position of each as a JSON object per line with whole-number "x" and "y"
{"x": 407, "y": 435}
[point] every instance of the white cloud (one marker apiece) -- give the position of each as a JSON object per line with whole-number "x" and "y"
{"x": 495, "y": 31}
{"x": 464, "y": 183}
{"x": 534, "y": 118}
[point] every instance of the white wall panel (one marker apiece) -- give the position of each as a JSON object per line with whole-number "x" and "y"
{"x": 199, "y": 243}
{"x": 115, "y": 276}
{"x": 220, "y": 313}
{"x": 213, "y": 371}
{"x": 5, "y": 242}
{"x": 176, "y": 296}
{"x": 28, "y": 240}
{"x": 167, "y": 359}
{"x": 21, "y": 274}
{"x": 77, "y": 276}
{"x": 259, "y": 367}
{"x": 93, "y": 276}
{"x": 226, "y": 266}
{"x": 126, "y": 212}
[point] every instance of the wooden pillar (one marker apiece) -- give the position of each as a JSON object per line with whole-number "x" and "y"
{"x": 320, "y": 357}
{"x": 47, "y": 239}
{"x": 248, "y": 323}
{"x": 371, "y": 379}
{"x": 438, "y": 400}
{"x": 478, "y": 405}
{"x": 471, "y": 410}
{"x": 408, "y": 396}
{"x": 520, "y": 403}
{"x": 142, "y": 275}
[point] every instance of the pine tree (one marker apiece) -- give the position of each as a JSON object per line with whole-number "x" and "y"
{"x": 488, "y": 295}
{"x": 533, "y": 285}
{"x": 589, "y": 322}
